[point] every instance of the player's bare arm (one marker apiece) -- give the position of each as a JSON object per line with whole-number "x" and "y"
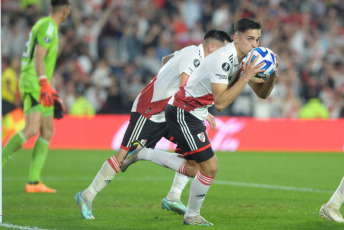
{"x": 166, "y": 58}
{"x": 211, "y": 121}
{"x": 40, "y": 53}
{"x": 224, "y": 96}
{"x": 264, "y": 89}
{"x": 182, "y": 79}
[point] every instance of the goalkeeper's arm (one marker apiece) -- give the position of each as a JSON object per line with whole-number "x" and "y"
{"x": 46, "y": 94}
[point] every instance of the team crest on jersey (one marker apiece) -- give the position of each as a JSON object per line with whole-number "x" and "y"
{"x": 47, "y": 40}
{"x": 225, "y": 66}
{"x": 201, "y": 136}
{"x": 196, "y": 62}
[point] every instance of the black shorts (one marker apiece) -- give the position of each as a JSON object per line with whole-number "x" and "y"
{"x": 190, "y": 134}
{"x": 145, "y": 131}
{"x": 7, "y": 107}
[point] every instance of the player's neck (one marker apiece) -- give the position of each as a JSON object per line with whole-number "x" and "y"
{"x": 241, "y": 55}
{"x": 56, "y": 18}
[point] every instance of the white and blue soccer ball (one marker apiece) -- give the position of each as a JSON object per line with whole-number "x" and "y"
{"x": 266, "y": 56}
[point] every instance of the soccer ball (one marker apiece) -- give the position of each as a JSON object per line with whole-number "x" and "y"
{"x": 266, "y": 56}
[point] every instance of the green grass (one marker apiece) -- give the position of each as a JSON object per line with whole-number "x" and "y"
{"x": 132, "y": 200}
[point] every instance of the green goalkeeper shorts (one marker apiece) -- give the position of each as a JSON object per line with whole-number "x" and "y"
{"x": 31, "y": 105}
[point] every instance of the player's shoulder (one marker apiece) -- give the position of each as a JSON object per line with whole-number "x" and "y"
{"x": 45, "y": 23}
{"x": 189, "y": 54}
{"x": 191, "y": 50}
{"x": 227, "y": 52}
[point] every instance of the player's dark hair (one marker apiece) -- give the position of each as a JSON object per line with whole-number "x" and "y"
{"x": 55, "y": 3}
{"x": 218, "y": 35}
{"x": 245, "y": 24}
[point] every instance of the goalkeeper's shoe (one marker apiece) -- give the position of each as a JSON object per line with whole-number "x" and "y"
{"x": 196, "y": 220}
{"x": 84, "y": 211}
{"x": 131, "y": 157}
{"x": 331, "y": 214}
{"x": 38, "y": 188}
{"x": 173, "y": 205}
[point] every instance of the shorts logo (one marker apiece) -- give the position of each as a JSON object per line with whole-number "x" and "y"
{"x": 201, "y": 136}
{"x": 196, "y": 62}
{"x": 143, "y": 142}
{"x": 225, "y": 66}
{"x": 47, "y": 40}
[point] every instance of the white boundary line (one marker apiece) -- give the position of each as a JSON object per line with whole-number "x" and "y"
{"x": 219, "y": 182}
{"x": 20, "y": 227}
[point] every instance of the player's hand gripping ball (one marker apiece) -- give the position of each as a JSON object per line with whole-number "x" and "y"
{"x": 266, "y": 56}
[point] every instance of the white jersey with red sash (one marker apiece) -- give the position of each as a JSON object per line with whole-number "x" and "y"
{"x": 152, "y": 100}
{"x": 222, "y": 66}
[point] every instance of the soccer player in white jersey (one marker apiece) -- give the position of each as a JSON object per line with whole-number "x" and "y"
{"x": 330, "y": 210}
{"x": 148, "y": 124}
{"x": 216, "y": 81}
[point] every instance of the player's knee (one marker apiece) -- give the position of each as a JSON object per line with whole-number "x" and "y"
{"x": 211, "y": 171}
{"x": 48, "y": 134}
{"x": 30, "y": 132}
{"x": 209, "y": 168}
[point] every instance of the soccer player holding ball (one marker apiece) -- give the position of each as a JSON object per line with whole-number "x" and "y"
{"x": 216, "y": 81}
{"x": 148, "y": 124}
{"x": 41, "y": 103}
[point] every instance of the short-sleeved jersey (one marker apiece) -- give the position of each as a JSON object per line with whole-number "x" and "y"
{"x": 44, "y": 33}
{"x": 152, "y": 100}
{"x": 222, "y": 66}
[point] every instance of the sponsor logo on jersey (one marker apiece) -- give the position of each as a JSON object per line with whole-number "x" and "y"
{"x": 221, "y": 76}
{"x": 201, "y": 136}
{"x": 225, "y": 66}
{"x": 47, "y": 40}
{"x": 196, "y": 62}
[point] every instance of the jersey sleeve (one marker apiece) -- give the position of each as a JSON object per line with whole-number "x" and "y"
{"x": 45, "y": 34}
{"x": 218, "y": 68}
{"x": 188, "y": 62}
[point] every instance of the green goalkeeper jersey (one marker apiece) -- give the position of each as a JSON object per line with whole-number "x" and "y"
{"x": 44, "y": 33}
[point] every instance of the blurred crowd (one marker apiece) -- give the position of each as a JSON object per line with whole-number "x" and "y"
{"x": 111, "y": 49}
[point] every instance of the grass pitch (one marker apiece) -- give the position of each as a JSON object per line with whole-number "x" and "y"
{"x": 250, "y": 191}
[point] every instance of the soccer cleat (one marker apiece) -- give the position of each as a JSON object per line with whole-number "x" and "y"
{"x": 38, "y": 188}
{"x": 196, "y": 220}
{"x": 173, "y": 205}
{"x": 85, "y": 213}
{"x": 131, "y": 157}
{"x": 331, "y": 214}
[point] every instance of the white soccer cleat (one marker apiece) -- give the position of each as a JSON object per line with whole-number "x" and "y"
{"x": 331, "y": 214}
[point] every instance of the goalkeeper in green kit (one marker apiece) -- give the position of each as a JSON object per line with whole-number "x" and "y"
{"x": 40, "y": 101}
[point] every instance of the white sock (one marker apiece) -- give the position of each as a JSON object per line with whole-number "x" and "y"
{"x": 166, "y": 159}
{"x": 199, "y": 188}
{"x": 337, "y": 198}
{"x": 105, "y": 175}
{"x": 178, "y": 186}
